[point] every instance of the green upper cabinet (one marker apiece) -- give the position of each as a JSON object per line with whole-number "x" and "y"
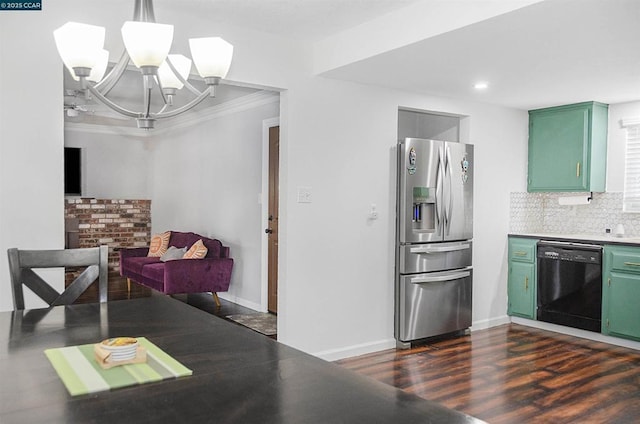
{"x": 568, "y": 148}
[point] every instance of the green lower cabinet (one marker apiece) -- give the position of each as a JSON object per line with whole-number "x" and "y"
{"x": 621, "y": 292}
{"x": 521, "y": 290}
{"x": 522, "y": 278}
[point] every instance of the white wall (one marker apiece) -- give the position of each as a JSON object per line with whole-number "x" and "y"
{"x": 31, "y": 140}
{"x": 113, "y": 166}
{"x": 340, "y": 142}
{"x": 616, "y": 141}
{"x": 208, "y": 180}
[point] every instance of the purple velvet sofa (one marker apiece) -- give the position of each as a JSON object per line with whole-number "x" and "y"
{"x": 210, "y": 274}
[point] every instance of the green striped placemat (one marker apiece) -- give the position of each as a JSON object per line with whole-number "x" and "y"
{"x": 81, "y": 374}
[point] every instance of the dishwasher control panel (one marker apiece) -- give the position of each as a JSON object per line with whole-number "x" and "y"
{"x": 572, "y": 252}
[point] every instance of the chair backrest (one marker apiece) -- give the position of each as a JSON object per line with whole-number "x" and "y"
{"x": 22, "y": 263}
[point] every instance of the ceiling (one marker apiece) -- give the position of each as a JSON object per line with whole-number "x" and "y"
{"x": 548, "y": 53}
{"x": 309, "y": 20}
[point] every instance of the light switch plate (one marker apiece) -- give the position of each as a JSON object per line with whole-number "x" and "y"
{"x": 304, "y": 194}
{"x": 373, "y": 212}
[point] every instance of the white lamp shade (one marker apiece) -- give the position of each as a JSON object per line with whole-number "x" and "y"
{"x": 79, "y": 45}
{"x": 211, "y": 55}
{"x": 147, "y": 43}
{"x": 167, "y": 78}
{"x": 98, "y": 70}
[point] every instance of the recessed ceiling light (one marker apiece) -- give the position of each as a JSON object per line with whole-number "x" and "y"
{"x": 481, "y": 85}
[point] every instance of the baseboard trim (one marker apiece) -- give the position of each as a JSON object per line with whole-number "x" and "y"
{"x": 488, "y": 323}
{"x": 364, "y": 348}
{"x": 242, "y": 302}
{"x": 575, "y": 332}
{"x": 355, "y": 350}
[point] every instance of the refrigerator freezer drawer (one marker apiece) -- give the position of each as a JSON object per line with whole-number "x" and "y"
{"x": 434, "y": 257}
{"x": 434, "y": 303}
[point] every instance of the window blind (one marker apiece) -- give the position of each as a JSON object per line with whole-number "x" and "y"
{"x": 631, "y": 196}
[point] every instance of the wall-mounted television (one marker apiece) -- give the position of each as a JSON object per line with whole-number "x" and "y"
{"x": 72, "y": 171}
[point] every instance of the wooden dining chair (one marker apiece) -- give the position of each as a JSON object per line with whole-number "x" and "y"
{"x": 23, "y": 262}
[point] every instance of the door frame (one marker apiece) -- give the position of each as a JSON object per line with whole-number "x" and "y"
{"x": 264, "y": 202}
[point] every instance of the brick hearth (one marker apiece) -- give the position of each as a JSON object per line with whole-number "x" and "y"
{"x": 117, "y": 223}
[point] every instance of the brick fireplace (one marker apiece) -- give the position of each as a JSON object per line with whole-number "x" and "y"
{"x": 117, "y": 223}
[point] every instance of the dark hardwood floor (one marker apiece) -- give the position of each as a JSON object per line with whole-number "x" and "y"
{"x": 117, "y": 289}
{"x": 506, "y": 374}
{"x": 202, "y": 301}
{"x": 516, "y": 374}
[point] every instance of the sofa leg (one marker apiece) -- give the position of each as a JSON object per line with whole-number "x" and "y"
{"x": 215, "y": 298}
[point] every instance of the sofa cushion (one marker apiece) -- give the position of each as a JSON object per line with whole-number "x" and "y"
{"x": 136, "y": 263}
{"x": 180, "y": 239}
{"x": 197, "y": 251}
{"x": 214, "y": 247}
{"x": 154, "y": 271}
{"x": 173, "y": 253}
{"x": 159, "y": 244}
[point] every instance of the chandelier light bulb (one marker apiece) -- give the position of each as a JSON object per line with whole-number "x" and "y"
{"x": 79, "y": 45}
{"x": 212, "y": 56}
{"x": 167, "y": 78}
{"x": 147, "y": 43}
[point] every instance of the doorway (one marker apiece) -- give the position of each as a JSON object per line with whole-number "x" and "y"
{"x": 272, "y": 220}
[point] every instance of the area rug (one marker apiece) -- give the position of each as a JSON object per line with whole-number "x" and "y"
{"x": 261, "y": 322}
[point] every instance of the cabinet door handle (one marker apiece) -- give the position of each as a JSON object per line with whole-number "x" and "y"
{"x": 632, "y": 264}
{"x": 526, "y": 283}
{"x": 578, "y": 169}
{"x": 520, "y": 253}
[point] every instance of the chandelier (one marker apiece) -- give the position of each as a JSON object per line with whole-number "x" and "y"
{"x": 147, "y": 45}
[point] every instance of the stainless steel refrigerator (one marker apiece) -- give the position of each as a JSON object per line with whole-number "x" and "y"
{"x": 434, "y": 234}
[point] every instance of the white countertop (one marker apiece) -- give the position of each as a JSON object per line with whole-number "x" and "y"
{"x": 599, "y": 238}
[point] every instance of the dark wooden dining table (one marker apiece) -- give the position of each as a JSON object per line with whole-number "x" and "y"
{"x": 239, "y": 376}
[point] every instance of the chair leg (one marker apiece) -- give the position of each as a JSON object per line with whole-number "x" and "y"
{"x": 215, "y": 298}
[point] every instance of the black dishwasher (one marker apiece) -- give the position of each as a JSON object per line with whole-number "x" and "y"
{"x": 570, "y": 284}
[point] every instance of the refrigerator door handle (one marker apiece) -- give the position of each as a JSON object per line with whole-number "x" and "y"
{"x": 438, "y": 278}
{"x": 439, "y": 249}
{"x": 448, "y": 178}
{"x": 439, "y": 187}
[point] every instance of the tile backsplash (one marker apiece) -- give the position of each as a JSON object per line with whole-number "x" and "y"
{"x": 541, "y": 213}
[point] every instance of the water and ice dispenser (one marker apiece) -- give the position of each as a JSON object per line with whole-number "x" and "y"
{"x": 424, "y": 209}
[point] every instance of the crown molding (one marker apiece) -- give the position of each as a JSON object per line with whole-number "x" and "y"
{"x": 236, "y": 105}
{"x": 231, "y": 107}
